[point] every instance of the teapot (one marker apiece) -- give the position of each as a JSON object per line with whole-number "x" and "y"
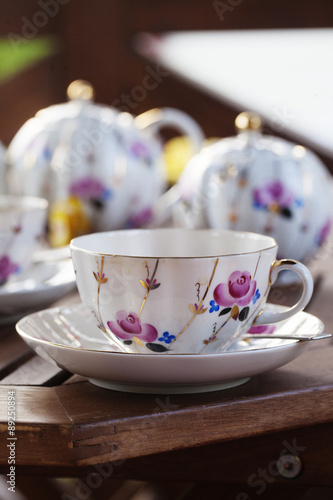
{"x": 259, "y": 183}
{"x": 100, "y": 169}
{"x": 3, "y": 185}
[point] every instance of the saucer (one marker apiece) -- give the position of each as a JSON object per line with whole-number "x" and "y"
{"x": 69, "y": 338}
{"x": 36, "y": 288}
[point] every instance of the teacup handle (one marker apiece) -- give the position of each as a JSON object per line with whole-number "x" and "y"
{"x": 265, "y": 317}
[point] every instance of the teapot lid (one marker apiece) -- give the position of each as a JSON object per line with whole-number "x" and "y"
{"x": 80, "y": 104}
{"x": 262, "y": 183}
{"x": 57, "y": 124}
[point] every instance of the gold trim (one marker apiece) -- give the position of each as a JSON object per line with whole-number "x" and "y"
{"x": 199, "y": 305}
{"x": 74, "y": 246}
{"x": 279, "y": 263}
{"x": 149, "y": 288}
{"x": 282, "y": 262}
{"x": 259, "y": 314}
{"x": 100, "y": 277}
{"x": 256, "y": 268}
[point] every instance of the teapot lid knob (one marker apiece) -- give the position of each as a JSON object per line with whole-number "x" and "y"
{"x": 247, "y": 121}
{"x": 80, "y": 89}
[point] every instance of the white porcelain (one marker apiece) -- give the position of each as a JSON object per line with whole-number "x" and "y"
{"x": 40, "y": 285}
{"x": 259, "y": 183}
{"x": 3, "y": 184}
{"x": 22, "y": 224}
{"x": 177, "y": 291}
{"x": 101, "y": 169}
{"x": 68, "y": 337}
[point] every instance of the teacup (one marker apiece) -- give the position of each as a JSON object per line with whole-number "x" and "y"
{"x": 178, "y": 291}
{"x": 22, "y": 223}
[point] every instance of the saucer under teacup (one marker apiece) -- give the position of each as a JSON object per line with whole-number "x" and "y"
{"x": 65, "y": 337}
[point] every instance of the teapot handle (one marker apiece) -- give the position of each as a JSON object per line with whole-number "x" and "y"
{"x": 157, "y": 118}
{"x": 153, "y": 120}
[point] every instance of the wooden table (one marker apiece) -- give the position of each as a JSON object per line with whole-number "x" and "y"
{"x": 65, "y": 426}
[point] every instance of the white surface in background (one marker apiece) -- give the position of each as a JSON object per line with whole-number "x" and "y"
{"x": 285, "y": 75}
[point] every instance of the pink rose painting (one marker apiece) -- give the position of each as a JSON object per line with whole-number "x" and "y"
{"x": 239, "y": 290}
{"x": 7, "y": 268}
{"x": 257, "y": 329}
{"x": 128, "y": 325}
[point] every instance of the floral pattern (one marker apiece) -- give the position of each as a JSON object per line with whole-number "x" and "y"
{"x": 231, "y": 301}
{"x": 167, "y": 338}
{"x": 323, "y": 233}
{"x": 139, "y": 149}
{"x": 277, "y": 199}
{"x": 142, "y": 152}
{"x": 89, "y": 188}
{"x": 140, "y": 218}
{"x": 256, "y": 296}
{"x": 128, "y": 325}
{"x": 239, "y": 290}
{"x": 273, "y": 193}
{"x": 267, "y": 329}
{"x": 213, "y": 306}
{"x": 7, "y": 268}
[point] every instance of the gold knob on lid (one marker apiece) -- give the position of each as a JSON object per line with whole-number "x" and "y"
{"x": 80, "y": 89}
{"x": 247, "y": 121}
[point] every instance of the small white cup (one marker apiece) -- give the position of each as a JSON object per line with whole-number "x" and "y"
{"x": 178, "y": 291}
{"x": 22, "y": 225}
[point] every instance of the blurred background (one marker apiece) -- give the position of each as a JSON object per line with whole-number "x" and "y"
{"x": 46, "y": 44}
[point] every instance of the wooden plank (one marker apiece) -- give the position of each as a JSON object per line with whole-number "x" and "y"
{"x": 241, "y": 461}
{"x": 42, "y": 427}
{"x": 146, "y": 435}
{"x": 36, "y": 371}
{"x": 13, "y": 351}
